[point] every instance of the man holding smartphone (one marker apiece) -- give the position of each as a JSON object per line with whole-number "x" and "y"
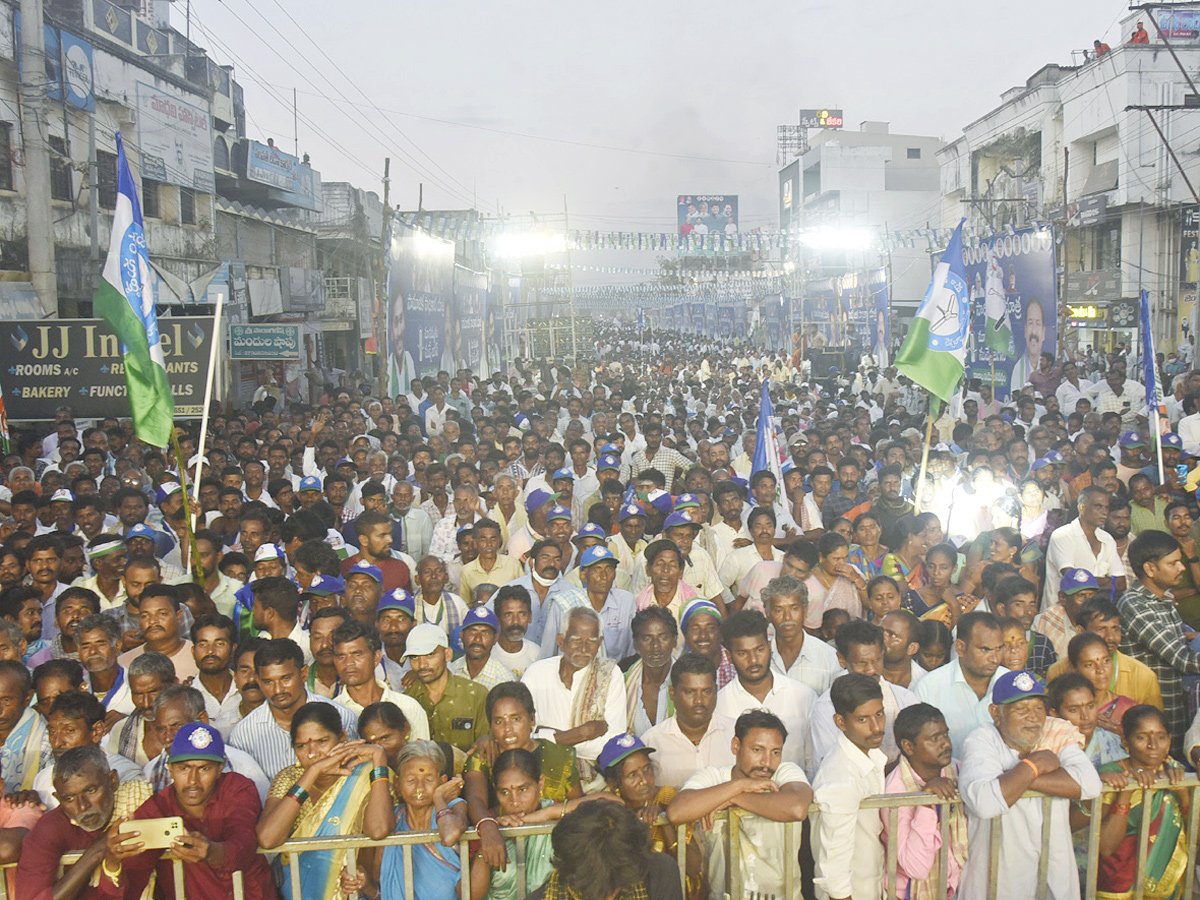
{"x": 218, "y": 811}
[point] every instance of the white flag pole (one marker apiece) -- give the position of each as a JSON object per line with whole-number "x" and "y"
{"x": 208, "y": 392}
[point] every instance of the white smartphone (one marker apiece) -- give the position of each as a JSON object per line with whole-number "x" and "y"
{"x": 155, "y": 834}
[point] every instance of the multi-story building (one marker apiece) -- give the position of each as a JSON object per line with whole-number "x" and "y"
{"x": 1072, "y": 146}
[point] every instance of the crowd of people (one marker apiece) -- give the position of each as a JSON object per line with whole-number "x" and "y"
{"x": 571, "y": 596}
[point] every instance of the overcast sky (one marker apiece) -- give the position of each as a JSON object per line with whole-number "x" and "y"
{"x": 513, "y": 105}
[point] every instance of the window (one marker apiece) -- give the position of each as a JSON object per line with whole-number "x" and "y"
{"x": 6, "y": 172}
{"x": 60, "y": 170}
{"x": 914, "y": 152}
{"x": 187, "y": 206}
{"x": 150, "y": 199}
{"x": 106, "y": 180}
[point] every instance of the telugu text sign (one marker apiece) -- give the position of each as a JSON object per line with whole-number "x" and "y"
{"x": 266, "y": 342}
{"x": 78, "y": 363}
{"x": 174, "y": 139}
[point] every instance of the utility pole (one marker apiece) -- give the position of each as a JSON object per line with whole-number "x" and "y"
{"x": 39, "y": 221}
{"x": 381, "y": 298}
{"x": 570, "y": 281}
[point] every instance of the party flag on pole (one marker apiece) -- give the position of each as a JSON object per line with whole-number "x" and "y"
{"x": 124, "y": 300}
{"x": 767, "y": 457}
{"x": 936, "y": 346}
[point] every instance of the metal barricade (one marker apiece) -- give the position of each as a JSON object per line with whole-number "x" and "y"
{"x": 892, "y": 803}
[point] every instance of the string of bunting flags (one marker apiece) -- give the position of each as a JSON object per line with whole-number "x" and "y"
{"x": 450, "y": 227}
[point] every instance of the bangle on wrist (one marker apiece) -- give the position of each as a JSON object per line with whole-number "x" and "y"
{"x": 437, "y": 816}
{"x": 1121, "y": 809}
{"x": 381, "y": 772}
{"x": 486, "y": 819}
{"x": 1032, "y": 765}
{"x": 110, "y": 873}
{"x": 299, "y": 793}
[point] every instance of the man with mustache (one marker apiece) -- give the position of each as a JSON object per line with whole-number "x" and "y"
{"x": 744, "y": 635}
{"x": 90, "y": 802}
{"x": 478, "y": 636}
{"x": 846, "y": 848}
{"x": 457, "y": 707}
{"x": 514, "y": 611}
{"x": 214, "y": 638}
{"x": 1000, "y": 762}
{"x": 544, "y": 583}
{"x": 770, "y": 790}
{"x": 161, "y": 620}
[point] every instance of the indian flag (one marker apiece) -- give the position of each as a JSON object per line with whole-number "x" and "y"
{"x": 936, "y": 345}
{"x": 124, "y": 301}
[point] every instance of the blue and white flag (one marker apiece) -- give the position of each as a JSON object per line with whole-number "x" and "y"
{"x": 1154, "y": 395}
{"x": 641, "y": 319}
{"x": 124, "y": 300}
{"x": 767, "y": 456}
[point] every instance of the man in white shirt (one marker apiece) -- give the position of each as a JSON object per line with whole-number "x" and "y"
{"x": 579, "y": 697}
{"x": 695, "y": 737}
{"x": 744, "y": 635}
{"x": 860, "y": 650}
{"x": 795, "y": 653}
{"x": 999, "y": 764}
{"x": 771, "y": 792}
{"x": 846, "y": 847}
{"x": 1084, "y": 544}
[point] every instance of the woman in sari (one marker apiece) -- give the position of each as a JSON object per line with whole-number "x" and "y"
{"x": 1149, "y": 744}
{"x": 867, "y": 553}
{"x": 428, "y": 802}
{"x": 1087, "y": 654}
{"x": 834, "y": 583}
{"x": 664, "y": 568}
{"x": 511, "y": 714}
{"x": 518, "y": 785}
{"x": 906, "y": 562}
{"x": 1002, "y": 545}
{"x": 337, "y": 788}
{"x": 940, "y": 598}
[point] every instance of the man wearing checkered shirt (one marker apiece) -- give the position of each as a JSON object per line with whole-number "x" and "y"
{"x": 656, "y": 456}
{"x": 1152, "y": 630}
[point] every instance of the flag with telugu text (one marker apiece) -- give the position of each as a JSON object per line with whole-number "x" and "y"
{"x": 124, "y": 301}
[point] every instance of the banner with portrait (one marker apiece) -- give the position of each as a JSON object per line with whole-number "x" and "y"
{"x": 1024, "y": 264}
{"x": 470, "y": 295}
{"x": 420, "y": 306}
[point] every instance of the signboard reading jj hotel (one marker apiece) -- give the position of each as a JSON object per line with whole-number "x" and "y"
{"x": 78, "y": 363}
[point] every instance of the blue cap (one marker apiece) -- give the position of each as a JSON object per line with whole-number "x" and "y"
{"x": 610, "y": 447}
{"x": 324, "y": 585}
{"x": 1076, "y": 580}
{"x": 365, "y": 568}
{"x": 661, "y": 501}
{"x": 538, "y": 498}
{"x": 606, "y": 462}
{"x": 590, "y": 530}
{"x": 399, "y": 598}
{"x": 564, "y": 472}
{"x": 1131, "y": 439}
{"x": 597, "y": 554}
{"x": 1013, "y": 686}
{"x": 788, "y": 466}
{"x": 481, "y": 615}
{"x": 1056, "y": 458}
{"x": 629, "y": 510}
{"x": 310, "y": 483}
{"x": 141, "y": 530}
{"x": 166, "y": 489}
{"x": 558, "y": 512}
{"x": 1040, "y": 463}
{"x": 344, "y": 461}
{"x": 687, "y": 501}
{"x": 1171, "y": 439}
{"x": 197, "y": 740}
{"x": 680, "y": 519}
{"x": 618, "y": 748}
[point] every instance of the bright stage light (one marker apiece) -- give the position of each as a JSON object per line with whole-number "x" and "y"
{"x": 838, "y": 239}
{"x": 517, "y": 245}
